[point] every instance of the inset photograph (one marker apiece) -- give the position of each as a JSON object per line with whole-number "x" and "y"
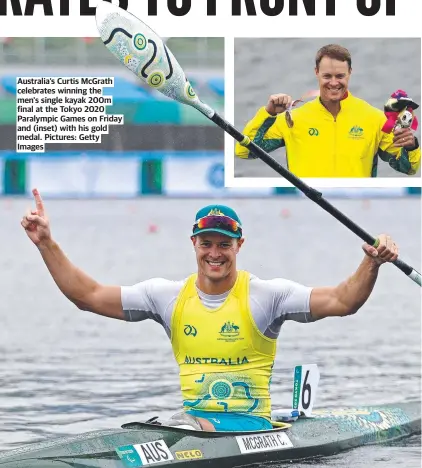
{"x": 329, "y": 107}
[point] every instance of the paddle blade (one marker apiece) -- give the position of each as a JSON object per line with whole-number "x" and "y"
{"x": 143, "y": 52}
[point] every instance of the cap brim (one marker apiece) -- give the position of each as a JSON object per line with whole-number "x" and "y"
{"x": 220, "y": 231}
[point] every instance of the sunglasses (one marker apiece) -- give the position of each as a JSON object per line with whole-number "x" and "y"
{"x": 218, "y": 222}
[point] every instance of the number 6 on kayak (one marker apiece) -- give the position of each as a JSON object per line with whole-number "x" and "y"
{"x": 305, "y": 384}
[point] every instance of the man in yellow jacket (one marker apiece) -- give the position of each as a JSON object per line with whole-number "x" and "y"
{"x": 334, "y": 135}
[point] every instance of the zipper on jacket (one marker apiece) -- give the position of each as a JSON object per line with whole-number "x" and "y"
{"x": 335, "y": 145}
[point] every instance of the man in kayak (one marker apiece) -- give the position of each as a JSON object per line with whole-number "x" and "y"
{"x": 223, "y": 322}
{"x": 335, "y": 135}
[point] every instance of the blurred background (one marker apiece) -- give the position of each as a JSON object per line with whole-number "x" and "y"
{"x": 268, "y": 66}
{"x": 146, "y": 155}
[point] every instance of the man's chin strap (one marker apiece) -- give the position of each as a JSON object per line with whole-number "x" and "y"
{"x": 181, "y": 420}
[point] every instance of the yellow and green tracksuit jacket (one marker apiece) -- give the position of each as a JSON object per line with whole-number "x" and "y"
{"x": 319, "y": 145}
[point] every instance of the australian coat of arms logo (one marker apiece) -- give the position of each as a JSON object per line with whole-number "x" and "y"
{"x": 356, "y": 132}
{"x": 230, "y": 332}
{"x": 215, "y": 212}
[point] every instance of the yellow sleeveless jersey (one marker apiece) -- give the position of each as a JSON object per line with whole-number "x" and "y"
{"x": 225, "y": 361}
{"x": 319, "y": 145}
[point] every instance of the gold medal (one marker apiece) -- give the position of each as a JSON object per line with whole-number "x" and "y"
{"x": 288, "y": 112}
{"x": 288, "y": 117}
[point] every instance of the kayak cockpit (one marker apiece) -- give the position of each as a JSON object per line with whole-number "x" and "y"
{"x": 155, "y": 424}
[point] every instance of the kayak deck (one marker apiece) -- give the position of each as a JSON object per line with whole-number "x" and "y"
{"x": 329, "y": 431}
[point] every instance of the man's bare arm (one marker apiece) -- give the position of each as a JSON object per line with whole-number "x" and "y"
{"x": 77, "y": 286}
{"x": 350, "y": 295}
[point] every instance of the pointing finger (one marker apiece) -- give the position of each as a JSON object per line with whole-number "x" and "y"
{"x": 38, "y": 202}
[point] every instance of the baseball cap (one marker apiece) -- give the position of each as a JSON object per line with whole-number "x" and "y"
{"x": 217, "y": 218}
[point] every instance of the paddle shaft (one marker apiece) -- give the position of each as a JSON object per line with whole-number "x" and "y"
{"x": 179, "y": 93}
{"x": 311, "y": 193}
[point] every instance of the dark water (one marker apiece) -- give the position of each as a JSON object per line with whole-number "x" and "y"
{"x": 268, "y": 66}
{"x": 64, "y": 371}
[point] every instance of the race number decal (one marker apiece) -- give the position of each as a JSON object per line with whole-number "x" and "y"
{"x": 306, "y": 379}
{"x": 263, "y": 442}
{"x": 153, "y": 452}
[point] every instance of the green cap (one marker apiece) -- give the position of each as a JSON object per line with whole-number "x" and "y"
{"x": 217, "y": 210}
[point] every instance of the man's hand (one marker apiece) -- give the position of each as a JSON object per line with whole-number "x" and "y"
{"x": 35, "y": 222}
{"x": 404, "y": 137}
{"x": 387, "y": 250}
{"x": 278, "y": 103}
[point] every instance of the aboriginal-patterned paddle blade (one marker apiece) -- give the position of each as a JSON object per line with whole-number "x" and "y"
{"x": 143, "y": 52}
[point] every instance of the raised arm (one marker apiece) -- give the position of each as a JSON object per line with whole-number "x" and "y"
{"x": 77, "y": 286}
{"x": 264, "y": 129}
{"x": 349, "y": 296}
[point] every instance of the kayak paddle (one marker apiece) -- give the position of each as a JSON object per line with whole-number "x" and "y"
{"x": 143, "y": 52}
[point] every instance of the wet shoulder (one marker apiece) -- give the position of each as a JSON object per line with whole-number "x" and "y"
{"x": 268, "y": 288}
{"x": 163, "y": 294}
{"x": 161, "y": 288}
